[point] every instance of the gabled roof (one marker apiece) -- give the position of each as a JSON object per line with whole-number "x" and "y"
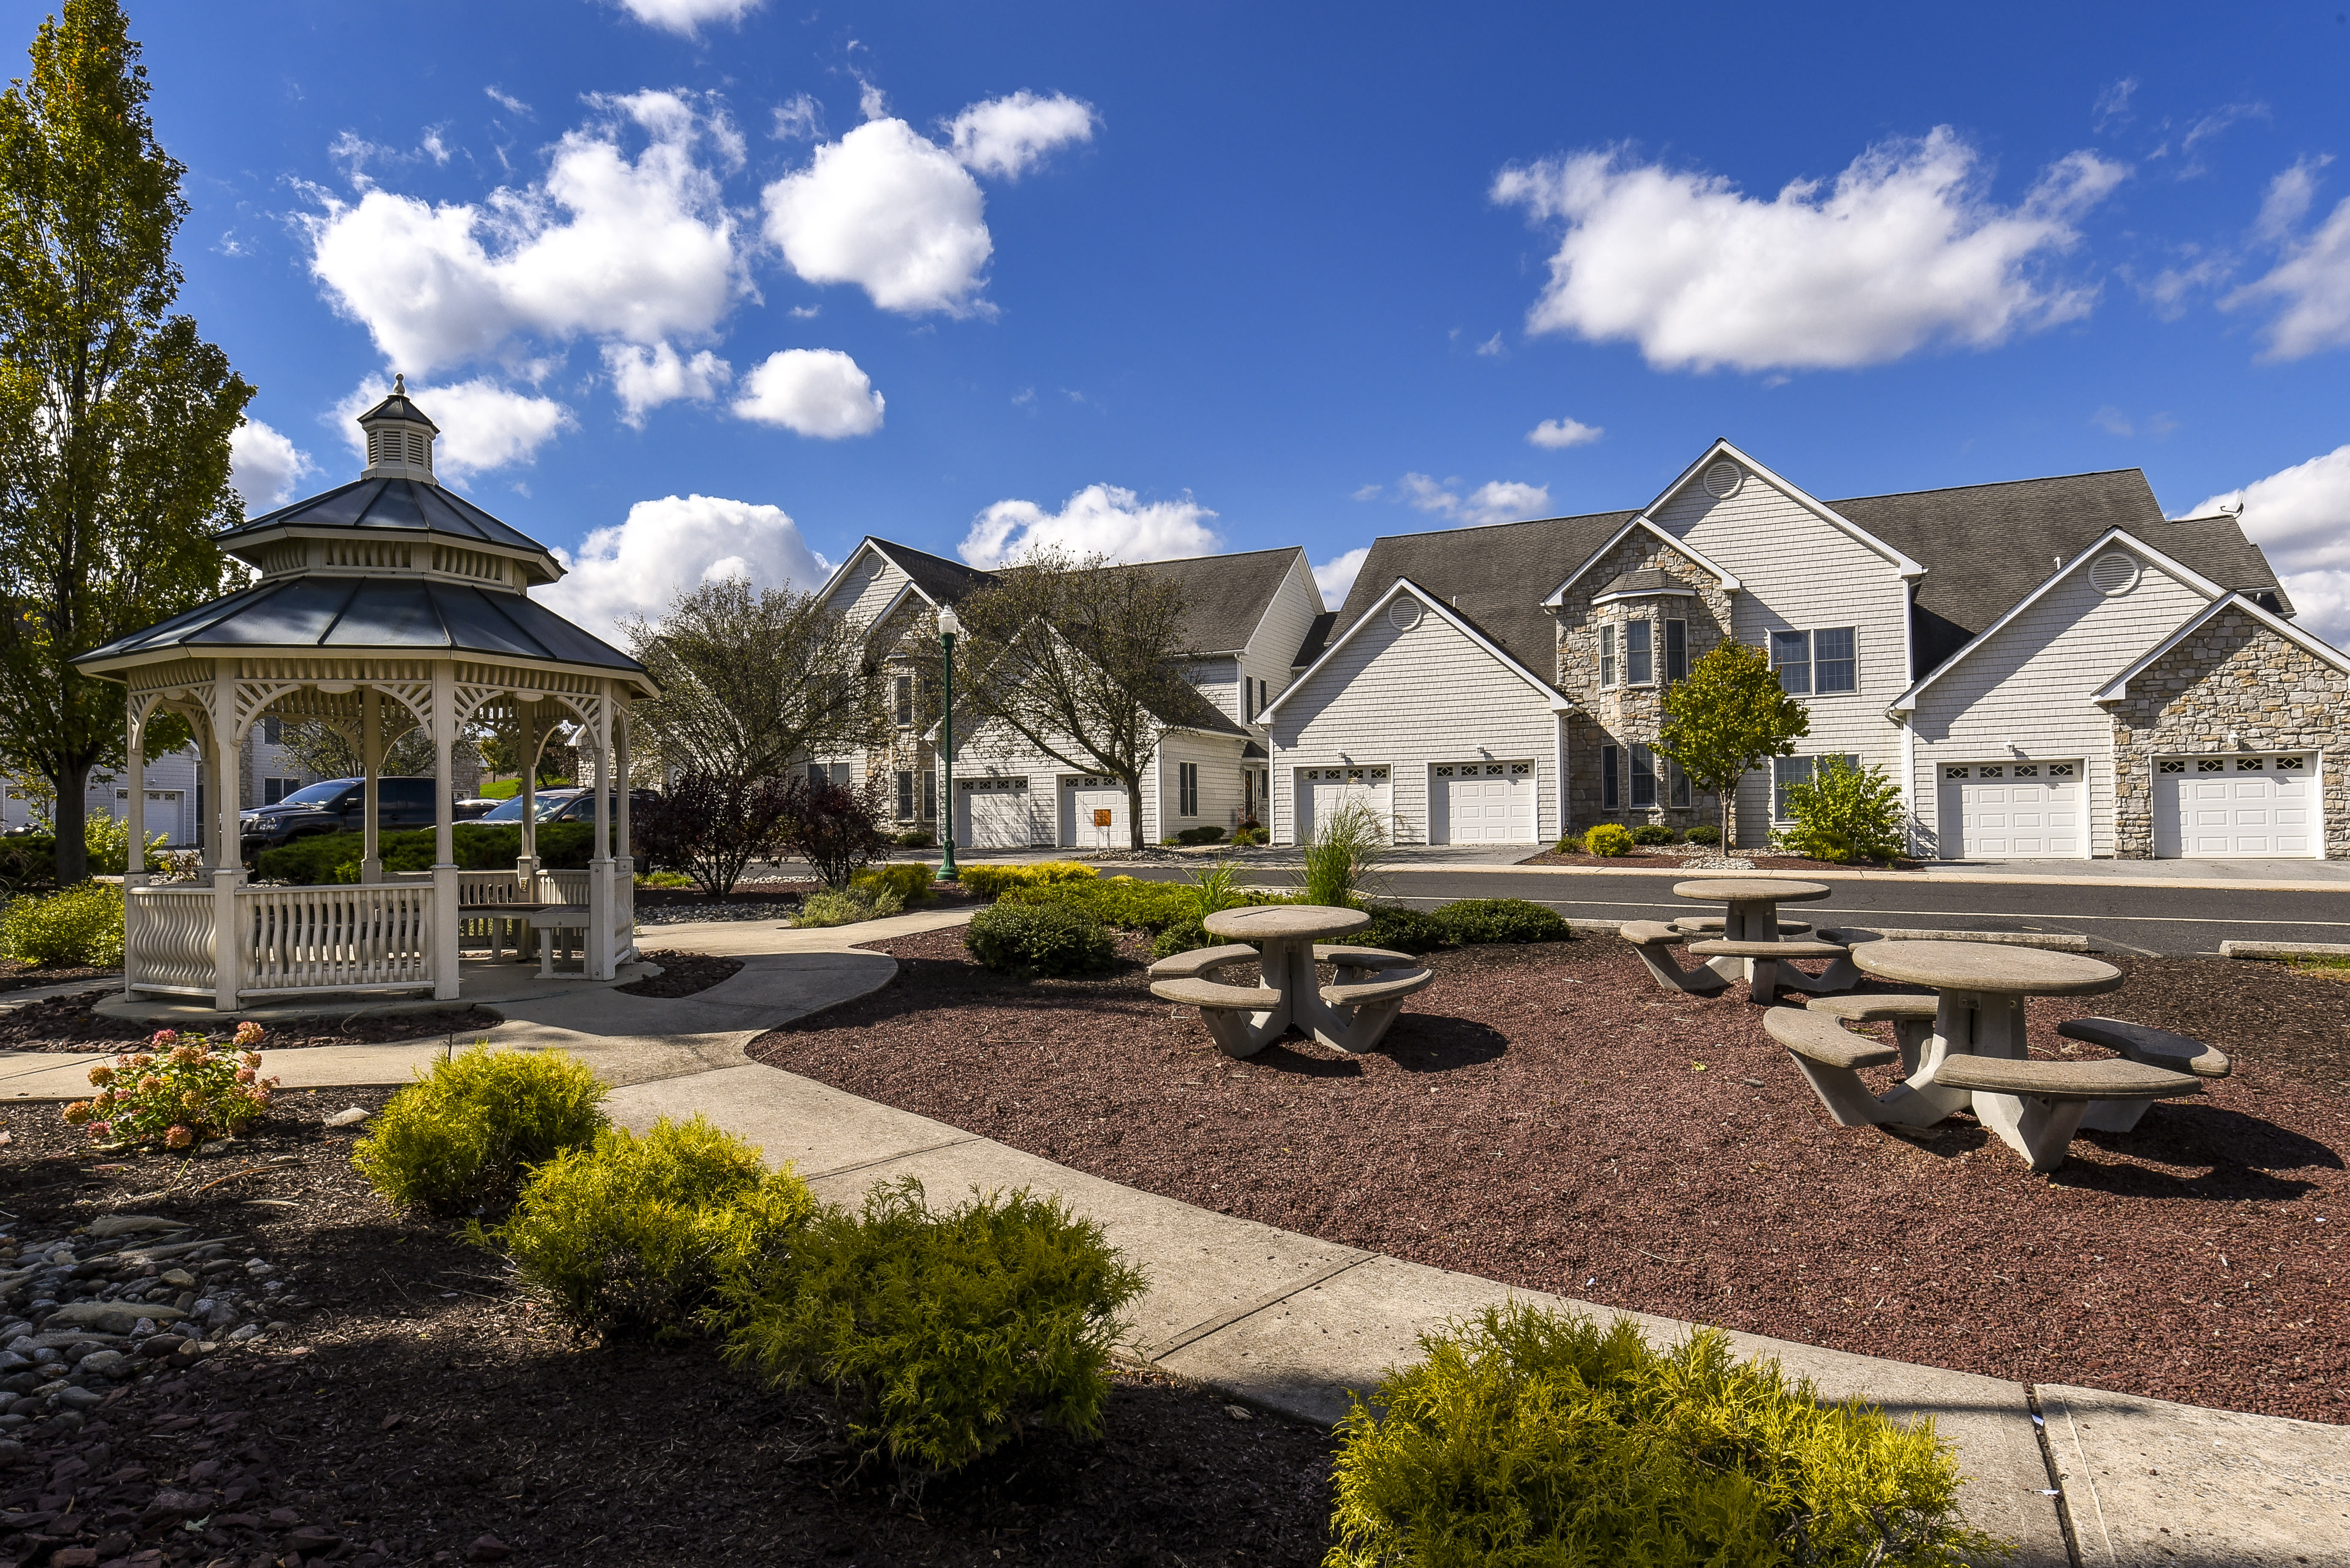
{"x": 1317, "y": 637}
{"x": 1491, "y": 574}
{"x": 1639, "y": 520}
{"x": 1548, "y": 693}
{"x": 2118, "y": 687}
{"x": 1225, "y": 596}
{"x": 1829, "y": 513}
{"x": 1907, "y": 701}
{"x": 399, "y": 615}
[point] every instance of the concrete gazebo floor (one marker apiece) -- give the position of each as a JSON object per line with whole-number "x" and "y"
{"x": 481, "y": 983}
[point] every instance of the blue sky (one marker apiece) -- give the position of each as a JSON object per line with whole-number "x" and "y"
{"x": 724, "y": 285}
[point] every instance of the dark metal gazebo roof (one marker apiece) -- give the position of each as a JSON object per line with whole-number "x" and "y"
{"x": 392, "y": 504}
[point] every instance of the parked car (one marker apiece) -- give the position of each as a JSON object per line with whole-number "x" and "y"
{"x": 572, "y": 804}
{"x": 475, "y": 809}
{"x": 337, "y": 805}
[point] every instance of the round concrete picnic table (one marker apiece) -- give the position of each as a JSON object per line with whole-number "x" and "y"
{"x": 1752, "y": 916}
{"x": 1982, "y": 988}
{"x": 1285, "y": 935}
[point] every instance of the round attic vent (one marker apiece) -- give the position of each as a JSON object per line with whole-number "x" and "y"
{"x": 1404, "y": 614}
{"x": 1723, "y": 479}
{"x": 2115, "y": 572}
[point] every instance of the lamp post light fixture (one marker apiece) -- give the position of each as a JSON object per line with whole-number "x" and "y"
{"x": 949, "y": 627}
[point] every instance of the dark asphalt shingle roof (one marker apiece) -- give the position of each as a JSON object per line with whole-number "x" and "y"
{"x": 401, "y": 614}
{"x": 945, "y": 582}
{"x": 1651, "y": 582}
{"x": 1317, "y": 637}
{"x": 1225, "y": 596}
{"x": 391, "y": 506}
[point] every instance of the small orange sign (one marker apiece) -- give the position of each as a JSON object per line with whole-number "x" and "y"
{"x": 1101, "y": 819}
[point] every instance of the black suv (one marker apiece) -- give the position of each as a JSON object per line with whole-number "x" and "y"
{"x": 337, "y": 805}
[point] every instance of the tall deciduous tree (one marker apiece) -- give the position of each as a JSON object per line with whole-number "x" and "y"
{"x": 1083, "y": 660}
{"x": 1729, "y": 716}
{"x": 751, "y": 679}
{"x": 115, "y": 416}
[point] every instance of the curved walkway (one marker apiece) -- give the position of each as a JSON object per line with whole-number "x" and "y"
{"x": 1290, "y": 1322}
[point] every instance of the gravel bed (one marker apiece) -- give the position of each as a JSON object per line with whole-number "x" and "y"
{"x": 69, "y": 1023}
{"x": 1545, "y": 1116}
{"x": 416, "y": 1410}
{"x": 682, "y": 974}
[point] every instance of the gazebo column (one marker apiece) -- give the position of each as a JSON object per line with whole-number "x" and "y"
{"x": 134, "y": 868}
{"x": 597, "y": 950}
{"x": 527, "y": 863}
{"x": 624, "y": 865}
{"x": 445, "y": 832}
{"x": 228, "y": 865}
{"x": 370, "y": 791}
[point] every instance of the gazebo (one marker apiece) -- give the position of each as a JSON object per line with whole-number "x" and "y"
{"x": 386, "y": 604}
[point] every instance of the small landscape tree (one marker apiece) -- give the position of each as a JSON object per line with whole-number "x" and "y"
{"x": 1727, "y": 717}
{"x": 710, "y": 826}
{"x": 835, "y": 829}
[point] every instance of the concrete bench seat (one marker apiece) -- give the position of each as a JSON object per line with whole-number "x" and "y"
{"x": 1801, "y": 947}
{"x": 1912, "y": 1017}
{"x": 554, "y": 923}
{"x": 1390, "y": 987}
{"x": 1210, "y": 996}
{"x": 1361, "y": 958}
{"x": 1199, "y": 960}
{"x": 2155, "y": 1047}
{"x": 1649, "y": 939}
{"x": 1698, "y": 925}
{"x": 1829, "y": 1056}
{"x": 2036, "y": 1107}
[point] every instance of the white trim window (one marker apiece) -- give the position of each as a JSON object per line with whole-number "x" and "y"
{"x": 1608, "y": 655}
{"x": 1644, "y": 777}
{"x": 905, "y": 701}
{"x": 1676, "y": 650}
{"x": 1186, "y": 789}
{"x": 1822, "y": 663}
{"x": 1610, "y": 798}
{"x": 1640, "y": 655}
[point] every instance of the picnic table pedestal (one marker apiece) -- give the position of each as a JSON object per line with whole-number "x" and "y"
{"x": 1752, "y": 916}
{"x": 1981, "y": 988}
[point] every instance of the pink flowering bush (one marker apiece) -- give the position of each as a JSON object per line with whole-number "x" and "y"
{"x": 182, "y": 1089}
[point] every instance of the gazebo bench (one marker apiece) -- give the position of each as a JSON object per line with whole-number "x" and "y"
{"x": 1649, "y": 939}
{"x": 1913, "y": 1015}
{"x": 553, "y": 923}
{"x": 2055, "y": 1096}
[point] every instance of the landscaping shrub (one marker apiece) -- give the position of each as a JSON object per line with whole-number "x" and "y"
{"x": 1401, "y": 929}
{"x": 1654, "y": 833}
{"x": 909, "y": 880}
{"x": 1501, "y": 920}
{"x": 1608, "y": 838}
{"x": 105, "y": 841}
{"x": 633, "y": 1235}
{"x": 991, "y": 880}
{"x": 835, "y": 829}
{"x": 461, "y": 1135}
{"x": 182, "y": 1090}
{"x": 1338, "y": 855}
{"x": 1183, "y": 936}
{"x": 1249, "y": 836}
{"x": 945, "y": 1335}
{"x": 919, "y": 838}
{"x": 710, "y": 826}
{"x": 1043, "y": 938}
{"x": 28, "y": 861}
{"x": 664, "y": 879}
{"x": 1205, "y": 834}
{"x": 1523, "y": 1436}
{"x": 322, "y": 858}
{"x": 74, "y": 927}
{"x": 1120, "y": 901}
{"x": 1842, "y": 811}
{"x": 827, "y": 908}
{"x": 1704, "y": 833}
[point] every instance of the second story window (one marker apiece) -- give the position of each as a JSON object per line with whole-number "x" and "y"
{"x": 1822, "y": 662}
{"x": 905, "y": 699}
{"x": 1676, "y": 650}
{"x": 1606, "y": 655}
{"x": 1791, "y": 656}
{"x": 1640, "y": 659}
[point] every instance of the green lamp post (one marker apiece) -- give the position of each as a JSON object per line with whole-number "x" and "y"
{"x": 948, "y": 627}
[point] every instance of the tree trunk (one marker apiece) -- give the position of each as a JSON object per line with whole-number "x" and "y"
{"x": 73, "y": 816}
{"x": 1134, "y": 812}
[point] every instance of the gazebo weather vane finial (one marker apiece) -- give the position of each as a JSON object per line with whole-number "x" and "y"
{"x": 399, "y": 384}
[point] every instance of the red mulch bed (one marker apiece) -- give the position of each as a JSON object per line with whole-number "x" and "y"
{"x": 1547, "y": 1117}
{"x": 69, "y": 1023}
{"x": 682, "y": 974}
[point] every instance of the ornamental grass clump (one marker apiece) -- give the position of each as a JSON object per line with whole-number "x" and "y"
{"x": 632, "y": 1235}
{"x": 846, "y": 908}
{"x": 460, "y": 1137}
{"x": 1528, "y": 1438}
{"x": 77, "y": 926}
{"x": 945, "y": 1335}
{"x": 1339, "y": 854}
{"x": 180, "y": 1090}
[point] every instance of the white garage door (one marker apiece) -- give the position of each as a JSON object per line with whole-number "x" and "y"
{"x": 1093, "y": 813}
{"x": 1481, "y": 803}
{"x": 2233, "y": 806}
{"x": 1322, "y": 791}
{"x": 991, "y": 813}
{"x": 1991, "y": 811}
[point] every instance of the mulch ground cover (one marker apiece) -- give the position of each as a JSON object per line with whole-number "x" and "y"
{"x": 682, "y": 974}
{"x": 1547, "y": 1117}
{"x": 15, "y": 976}
{"x": 412, "y": 1408}
{"x": 70, "y": 1023}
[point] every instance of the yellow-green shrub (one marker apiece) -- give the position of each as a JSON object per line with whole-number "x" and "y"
{"x": 634, "y": 1234}
{"x": 1609, "y": 838}
{"x": 910, "y": 879}
{"x": 461, "y": 1136}
{"x": 1527, "y": 1437}
{"x": 989, "y": 879}
{"x": 826, "y": 908}
{"x": 82, "y": 925}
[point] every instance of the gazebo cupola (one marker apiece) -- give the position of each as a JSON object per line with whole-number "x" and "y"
{"x": 385, "y": 605}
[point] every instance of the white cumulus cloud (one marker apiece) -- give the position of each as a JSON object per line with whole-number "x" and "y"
{"x": 890, "y": 210}
{"x": 815, "y": 391}
{"x": 644, "y": 379}
{"x": 637, "y": 566}
{"x": 1556, "y": 434}
{"x": 2300, "y": 516}
{"x": 1496, "y": 501}
{"x": 265, "y": 465}
{"x": 641, "y": 249}
{"x": 2311, "y": 282}
{"x": 1007, "y": 136}
{"x": 1903, "y": 250}
{"x": 1337, "y": 575}
{"x": 1100, "y": 519}
{"x": 483, "y": 425}
{"x": 685, "y": 18}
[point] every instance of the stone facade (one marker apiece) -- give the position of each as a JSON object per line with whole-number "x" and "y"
{"x": 911, "y": 665}
{"x": 2231, "y": 676}
{"x": 1626, "y": 715}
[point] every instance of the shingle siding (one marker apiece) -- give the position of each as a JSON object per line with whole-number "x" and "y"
{"x": 1407, "y": 699}
{"x": 1286, "y": 621}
